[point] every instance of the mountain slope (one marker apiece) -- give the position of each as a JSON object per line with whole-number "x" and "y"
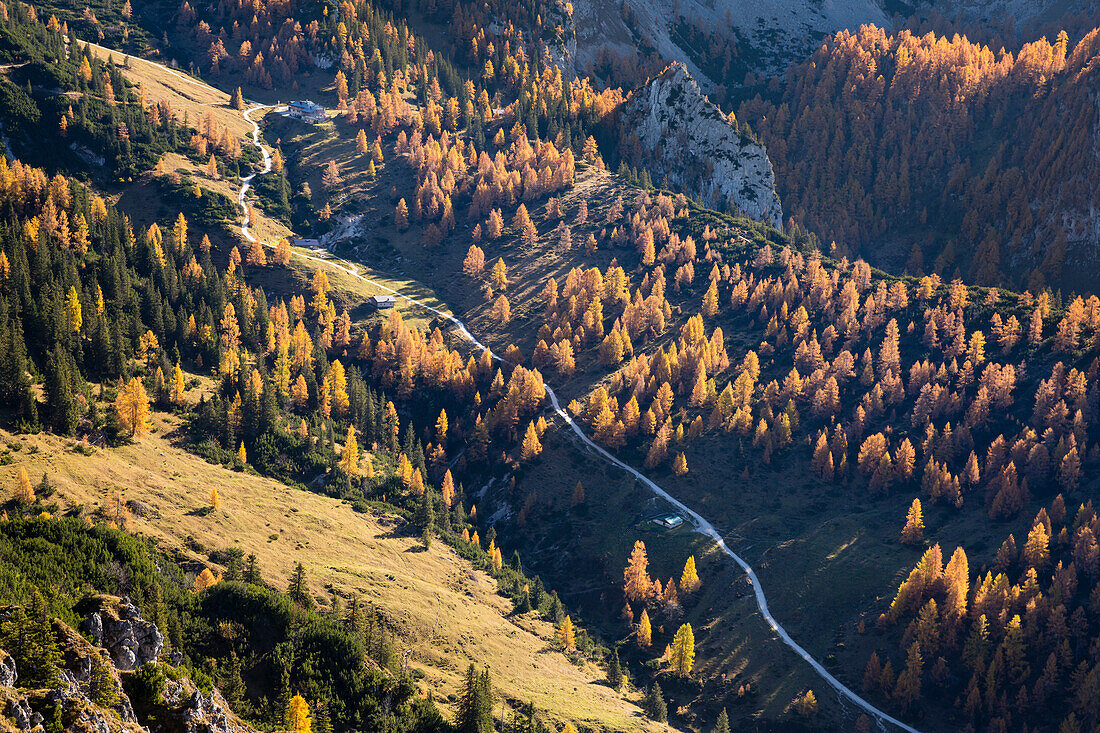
{"x": 449, "y": 614}
{"x": 940, "y": 154}
{"x": 771, "y": 34}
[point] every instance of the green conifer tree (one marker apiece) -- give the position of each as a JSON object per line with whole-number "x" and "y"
{"x": 654, "y": 704}
{"x": 723, "y": 724}
{"x": 615, "y": 671}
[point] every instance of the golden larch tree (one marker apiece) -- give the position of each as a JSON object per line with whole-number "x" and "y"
{"x": 298, "y": 716}
{"x": 178, "y": 386}
{"x": 636, "y": 582}
{"x": 132, "y": 408}
{"x": 531, "y": 447}
{"x": 215, "y": 500}
{"x": 24, "y": 491}
{"x": 204, "y": 580}
{"x": 401, "y": 215}
{"x": 567, "y": 634}
{"x": 349, "y": 456}
{"x": 499, "y": 276}
{"x": 578, "y": 495}
{"x": 256, "y": 256}
{"x": 282, "y": 252}
{"x": 645, "y": 630}
{"x": 447, "y": 488}
{"x": 73, "y": 310}
{"x": 689, "y": 579}
{"x": 913, "y": 531}
{"x": 682, "y": 653}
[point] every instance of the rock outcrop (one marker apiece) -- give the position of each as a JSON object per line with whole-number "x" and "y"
{"x": 77, "y": 655}
{"x": 671, "y": 129}
{"x": 8, "y": 673}
{"x": 16, "y": 712}
{"x": 194, "y": 712}
{"x": 128, "y": 641}
{"x": 116, "y": 625}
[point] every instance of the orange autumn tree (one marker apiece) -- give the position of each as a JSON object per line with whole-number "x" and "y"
{"x": 132, "y": 408}
{"x": 637, "y": 584}
{"x": 913, "y": 531}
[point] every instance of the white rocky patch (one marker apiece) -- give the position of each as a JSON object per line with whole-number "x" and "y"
{"x": 690, "y": 143}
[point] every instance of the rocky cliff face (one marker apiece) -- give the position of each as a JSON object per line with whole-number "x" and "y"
{"x": 116, "y": 625}
{"x": 129, "y": 641}
{"x": 671, "y": 128}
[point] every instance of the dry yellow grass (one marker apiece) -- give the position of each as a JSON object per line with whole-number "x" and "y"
{"x": 187, "y": 95}
{"x": 265, "y": 228}
{"x": 448, "y": 613}
{"x": 192, "y": 100}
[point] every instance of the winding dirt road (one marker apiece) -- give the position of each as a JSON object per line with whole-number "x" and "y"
{"x": 701, "y": 525}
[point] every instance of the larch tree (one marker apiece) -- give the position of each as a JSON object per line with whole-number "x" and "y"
{"x": 349, "y": 456}
{"x": 531, "y": 447}
{"x": 637, "y": 584}
{"x": 447, "y": 488}
{"x": 499, "y": 276}
{"x": 331, "y": 178}
{"x": 567, "y": 634}
{"x": 178, "y": 386}
{"x": 24, "y": 491}
{"x": 1069, "y": 471}
{"x": 256, "y": 256}
{"x": 298, "y": 716}
{"x": 913, "y": 531}
{"x": 806, "y": 704}
{"x": 578, "y": 495}
{"x": 689, "y": 579}
{"x": 401, "y": 215}
{"x": 282, "y": 252}
{"x": 204, "y": 580}
{"x": 73, "y": 310}
{"x": 682, "y": 652}
{"x": 1037, "y": 547}
{"x": 502, "y": 310}
{"x": 645, "y": 630}
{"x": 710, "y": 300}
{"x": 242, "y": 453}
{"x": 474, "y": 264}
{"x": 132, "y": 408}
{"x": 215, "y": 500}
